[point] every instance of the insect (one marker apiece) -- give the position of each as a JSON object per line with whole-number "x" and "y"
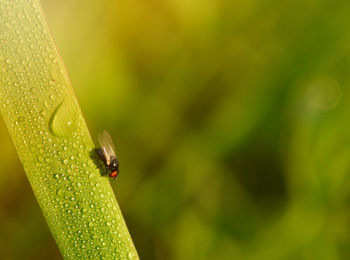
{"x": 107, "y": 154}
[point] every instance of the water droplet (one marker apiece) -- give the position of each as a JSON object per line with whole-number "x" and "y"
{"x": 47, "y": 104}
{"x": 56, "y": 176}
{"x": 63, "y": 120}
{"x": 130, "y": 255}
{"x": 91, "y": 175}
{"x": 65, "y": 161}
{"x": 59, "y": 192}
{"x": 43, "y": 113}
{"x": 20, "y": 119}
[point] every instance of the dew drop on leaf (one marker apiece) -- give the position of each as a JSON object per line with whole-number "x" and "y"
{"x": 59, "y": 192}
{"x": 63, "y": 120}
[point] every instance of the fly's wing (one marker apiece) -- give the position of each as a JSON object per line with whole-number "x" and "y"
{"x": 107, "y": 146}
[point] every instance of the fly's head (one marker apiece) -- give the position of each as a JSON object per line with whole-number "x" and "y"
{"x": 114, "y": 165}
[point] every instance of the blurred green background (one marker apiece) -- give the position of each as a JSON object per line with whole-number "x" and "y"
{"x": 230, "y": 120}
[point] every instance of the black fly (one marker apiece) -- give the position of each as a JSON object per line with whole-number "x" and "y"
{"x": 107, "y": 154}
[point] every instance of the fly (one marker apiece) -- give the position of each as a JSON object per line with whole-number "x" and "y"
{"x": 107, "y": 154}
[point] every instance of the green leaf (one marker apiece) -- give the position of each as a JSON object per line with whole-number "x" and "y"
{"x": 53, "y": 142}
